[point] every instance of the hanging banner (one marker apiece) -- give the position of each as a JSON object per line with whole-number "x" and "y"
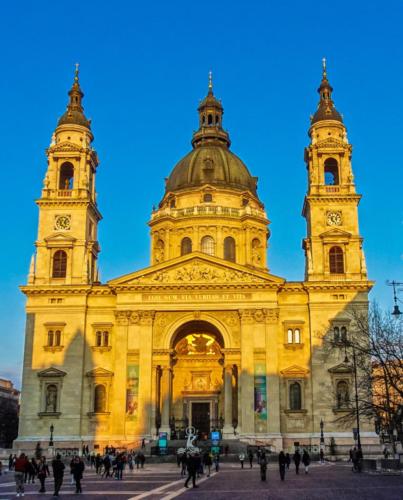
{"x": 132, "y": 392}
{"x": 260, "y": 397}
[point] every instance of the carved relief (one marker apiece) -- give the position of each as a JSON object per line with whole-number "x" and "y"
{"x": 200, "y": 273}
{"x": 231, "y": 318}
{"x": 122, "y": 317}
{"x": 142, "y": 317}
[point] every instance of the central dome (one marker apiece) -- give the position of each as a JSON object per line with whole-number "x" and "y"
{"x": 214, "y": 165}
{"x": 211, "y": 161}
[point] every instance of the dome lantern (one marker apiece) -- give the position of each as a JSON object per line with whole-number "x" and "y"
{"x": 326, "y": 108}
{"x": 75, "y": 111}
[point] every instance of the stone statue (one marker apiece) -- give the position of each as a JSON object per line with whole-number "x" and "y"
{"x": 51, "y": 399}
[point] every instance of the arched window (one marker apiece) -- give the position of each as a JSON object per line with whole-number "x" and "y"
{"x": 209, "y": 119}
{"x": 336, "y": 334}
{"x": 58, "y": 338}
{"x": 343, "y": 331}
{"x": 208, "y": 245}
{"x": 343, "y": 398}
{"x": 99, "y": 398}
{"x": 297, "y": 336}
{"x": 208, "y": 197}
{"x": 66, "y": 176}
{"x": 290, "y": 337}
{"x": 217, "y": 119}
{"x": 295, "y": 396}
{"x": 229, "y": 249}
{"x": 51, "y": 337}
{"x": 59, "y": 264}
{"x": 336, "y": 260}
{"x": 186, "y": 246}
{"x": 331, "y": 172}
{"x": 51, "y": 398}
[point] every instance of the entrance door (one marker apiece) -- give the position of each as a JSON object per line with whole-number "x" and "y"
{"x": 201, "y": 417}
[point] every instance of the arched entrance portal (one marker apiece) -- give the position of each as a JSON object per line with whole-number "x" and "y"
{"x": 198, "y": 379}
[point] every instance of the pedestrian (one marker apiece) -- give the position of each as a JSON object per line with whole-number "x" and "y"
{"x": 263, "y": 466}
{"x": 58, "y": 473}
{"x": 216, "y": 461}
{"x": 20, "y": 467}
{"x": 282, "y": 462}
{"x": 208, "y": 462}
{"x": 354, "y": 459}
{"x": 386, "y": 453}
{"x": 192, "y": 466}
{"x": 107, "y": 466}
{"x": 242, "y": 459}
{"x": 297, "y": 461}
{"x": 137, "y": 459}
{"x": 258, "y": 454}
{"x": 351, "y": 455}
{"x": 119, "y": 466}
{"x": 130, "y": 461}
{"x": 1, "y": 467}
{"x": 322, "y": 456}
{"x": 10, "y": 462}
{"x": 98, "y": 463}
{"x": 306, "y": 460}
{"x": 287, "y": 460}
{"x": 143, "y": 444}
{"x": 178, "y": 460}
{"x": 142, "y": 460}
{"x": 250, "y": 456}
{"x": 33, "y": 470}
{"x": 78, "y": 470}
{"x": 183, "y": 464}
{"x": 43, "y": 473}
{"x": 72, "y": 462}
{"x": 360, "y": 456}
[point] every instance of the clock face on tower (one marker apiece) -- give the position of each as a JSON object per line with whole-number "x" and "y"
{"x": 62, "y": 222}
{"x": 333, "y": 218}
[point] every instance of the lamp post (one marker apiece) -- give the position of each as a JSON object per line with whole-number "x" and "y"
{"x": 322, "y": 438}
{"x": 51, "y": 436}
{"x": 396, "y": 311}
{"x": 357, "y": 412}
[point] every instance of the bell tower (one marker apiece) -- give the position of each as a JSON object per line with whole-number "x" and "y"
{"x": 67, "y": 246}
{"x": 333, "y": 246}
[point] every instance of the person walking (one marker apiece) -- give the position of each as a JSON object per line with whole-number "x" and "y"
{"x": 107, "y": 466}
{"x": 297, "y": 461}
{"x": 33, "y": 471}
{"x": 306, "y": 460}
{"x": 43, "y": 473}
{"x": 78, "y": 470}
{"x": 287, "y": 460}
{"x": 354, "y": 459}
{"x": 120, "y": 463}
{"x": 258, "y": 454}
{"x": 20, "y": 468}
{"x": 242, "y": 459}
{"x": 360, "y": 456}
{"x": 321, "y": 456}
{"x": 58, "y": 473}
{"x": 143, "y": 444}
{"x": 183, "y": 464}
{"x": 208, "y": 462}
{"x": 10, "y": 462}
{"x": 142, "y": 460}
{"x": 282, "y": 462}
{"x": 192, "y": 466}
{"x": 263, "y": 466}
{"x": 250, "y": 456}
{"x": 72, "y": 462}
{"x": 216, "y": 461}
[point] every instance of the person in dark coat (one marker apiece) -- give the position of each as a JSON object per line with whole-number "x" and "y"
{"x": 250, "y": 457}
{"x": 306, "y": 460}
{"x": 208, "y": 462}
{"x": 263, "y": 466}
{"x": 183, "y": 464}
{"x": 287, "y": 460}
{"x": 282, "y": 462}
{"x": 193, "y": 463}
{"x": 58, "y": 473}
{"x": 297, "y": 461}
{"x": 43, "y": 473}
{"x": 78, "y": 470}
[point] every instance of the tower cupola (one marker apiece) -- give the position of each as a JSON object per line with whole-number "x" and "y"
{"x": 210, "y": 130}
{"x": 75, "y": 111}
{"x": 326, "y": 108}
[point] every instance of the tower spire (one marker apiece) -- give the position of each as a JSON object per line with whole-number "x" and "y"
{"x": 326, "y": 108}
{"x": 75, "y": 111}
{"x": 210, "y": 83}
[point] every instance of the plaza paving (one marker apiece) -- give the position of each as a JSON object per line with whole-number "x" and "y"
{"x": 163, "y": 481}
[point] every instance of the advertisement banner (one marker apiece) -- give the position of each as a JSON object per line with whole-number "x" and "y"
{"x": 260, "y": 397}
{"x": 132, "y": 392}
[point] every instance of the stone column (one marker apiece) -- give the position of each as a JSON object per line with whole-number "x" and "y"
{"x": 228, "y": 429}
{"x": 166, "y": 384}
{"x": 118, "y": 407}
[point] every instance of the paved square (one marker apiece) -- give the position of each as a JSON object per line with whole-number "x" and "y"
{"x": 163, "y": 481}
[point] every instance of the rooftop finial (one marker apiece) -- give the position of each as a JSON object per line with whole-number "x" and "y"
{"x": 324, "y": 67}
{"x": 76, "y": 72}
{"x": 210, "y": 82}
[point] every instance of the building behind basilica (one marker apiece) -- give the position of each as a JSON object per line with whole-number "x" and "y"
{"x": 205, "y": 336}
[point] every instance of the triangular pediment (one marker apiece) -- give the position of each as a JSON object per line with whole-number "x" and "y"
{"x": 294, "y": 371}
{"x": 99, "y": 372}
{"x": 51, "y": 372}
{"x": 331, "y": 143}
{"x": 196, "y": 268}
{"x": 57, "y": 237}
{"x": 340, "y": 368}
{"x": 335, "y": 233}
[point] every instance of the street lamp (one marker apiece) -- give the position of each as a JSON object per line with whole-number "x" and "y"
{"x": 322, "y": 438}
{"x": 396, "y": 311}
{"x": 51, "y": 436}
{"x": 357, "y": 413}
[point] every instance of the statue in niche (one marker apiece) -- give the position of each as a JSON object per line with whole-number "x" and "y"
{"x": 256, "y": 253}
{"x": 159, "y": 251}
{"x": 342, "y": 395}
{"x": 51, "y": 398}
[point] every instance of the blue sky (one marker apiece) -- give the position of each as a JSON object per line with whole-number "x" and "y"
{"x": 143, "y": 70}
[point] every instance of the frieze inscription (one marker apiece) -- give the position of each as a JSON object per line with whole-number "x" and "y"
{"x": 189, "y": 297}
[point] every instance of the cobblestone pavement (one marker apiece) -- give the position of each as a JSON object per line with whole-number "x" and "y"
{"x": 163, "y": 481}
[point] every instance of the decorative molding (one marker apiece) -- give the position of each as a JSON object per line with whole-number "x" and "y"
{"x": 341, "y": 368}
{"x": 99, "y": 373}
{"x": 51, "y": 373}
{"x": 294, "y": 371}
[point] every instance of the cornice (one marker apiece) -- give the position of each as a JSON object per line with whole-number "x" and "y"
{"x": 326, "y": 198}
{"x": 362, "y": 286}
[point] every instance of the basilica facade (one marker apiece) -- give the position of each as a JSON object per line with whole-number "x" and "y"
{"x": 206, "y": 335}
